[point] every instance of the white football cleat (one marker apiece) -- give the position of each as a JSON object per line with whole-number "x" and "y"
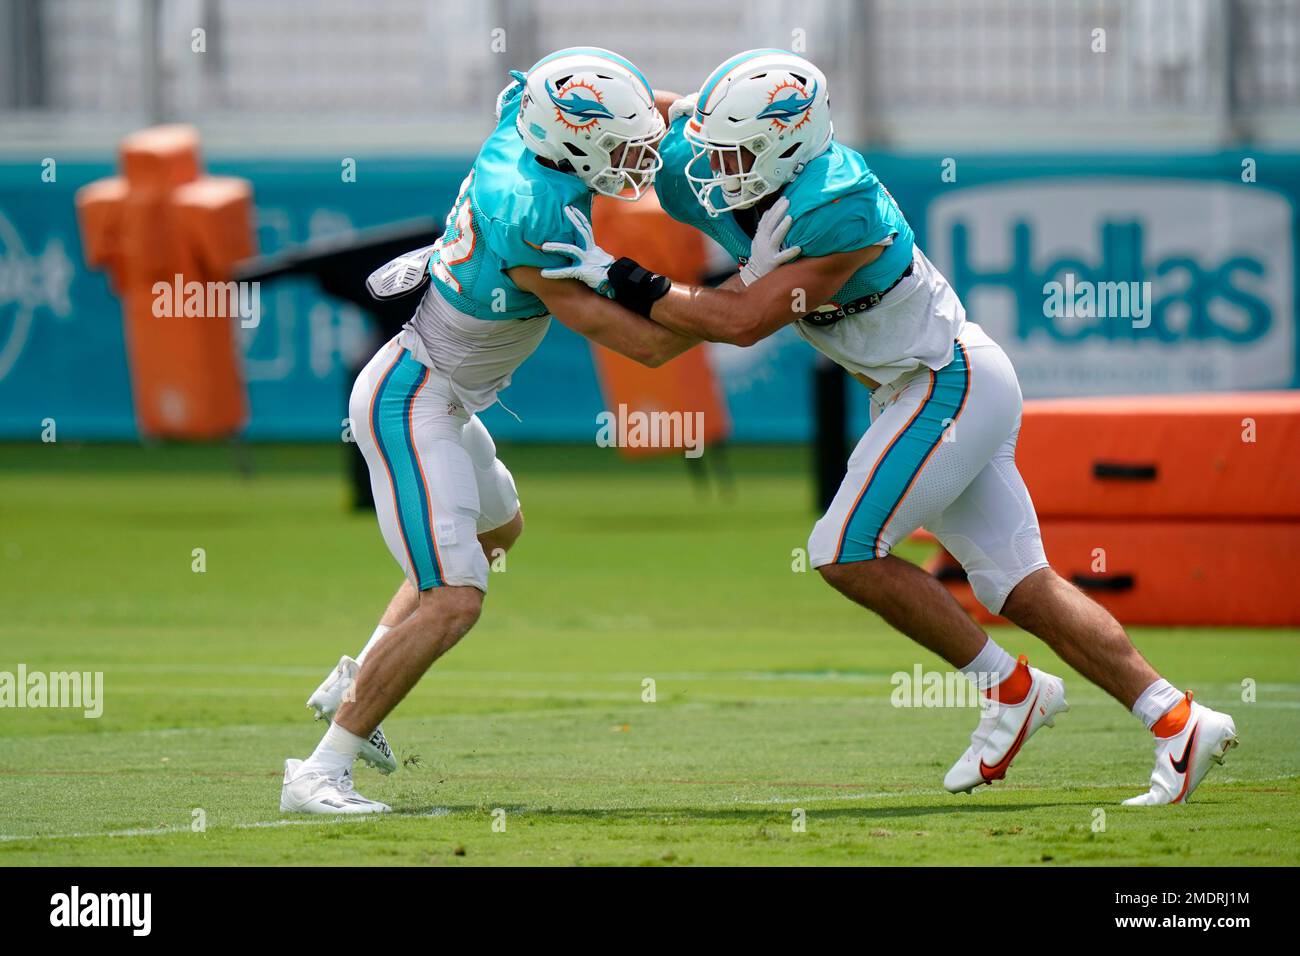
{"x": 312, "y": 791}
{"x": 1183, "y": 760}
{"x": 1003, "y": 730}
{"x": 327, "y": 699}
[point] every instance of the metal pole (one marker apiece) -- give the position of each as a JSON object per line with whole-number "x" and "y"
{"x": 151, "y": 98}
{"x": 867, "y": 70}
{"x": 22, "y": 81}
{"x": 830, "y": 429}
{"x": 1233, "y": 128}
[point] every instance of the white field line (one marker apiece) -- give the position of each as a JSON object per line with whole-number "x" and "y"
{"x": 167, "y": 831}
{"x": 328, "y": 821}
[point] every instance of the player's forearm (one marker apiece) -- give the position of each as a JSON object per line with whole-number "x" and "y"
{"x": 602, "y": 320}
{"x": 715, "y": 315}
{"x": 611, "y": 325}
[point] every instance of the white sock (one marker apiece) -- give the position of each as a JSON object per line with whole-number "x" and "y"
{"x": 380, "y": 631}
{"x": 1156, "y": 701}
{"x": 991, "y": 666}
{"x": 336, "y": 751}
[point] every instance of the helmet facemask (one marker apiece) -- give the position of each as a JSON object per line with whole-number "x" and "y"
{"x": 760, "y": 118}
{"x": 730, "y": 170}
{"x": 630, "y": 166}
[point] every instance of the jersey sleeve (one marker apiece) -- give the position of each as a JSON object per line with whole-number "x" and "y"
{"x": 671, "y": 185}
{"x": 535, "y": 219}
{"x": 510, "y": 243}
{"x": 851, "y": 222}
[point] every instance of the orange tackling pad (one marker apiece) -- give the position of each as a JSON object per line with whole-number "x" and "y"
{"x": 643, "y": 231}
{"x": 1193, "y": 573}
{"x": 160, "y": 219}
{"x": 1175, "y": 456}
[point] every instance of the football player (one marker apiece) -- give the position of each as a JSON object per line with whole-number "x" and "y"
{"x": 752, "y": 161}
{"x": 581, "y": 121}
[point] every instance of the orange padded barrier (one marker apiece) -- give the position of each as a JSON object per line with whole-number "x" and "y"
{"x": 1168, "y": 573}
{"x": 164, "y": 222}
{"x": 1168, "y": 510}
{"x": 1230, "y": 455}
{"x": 643, "y": 231}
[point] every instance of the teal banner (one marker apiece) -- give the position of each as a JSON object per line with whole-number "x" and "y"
{"x": 1105, "y": 274}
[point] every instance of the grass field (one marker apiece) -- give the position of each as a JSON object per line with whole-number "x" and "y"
{"x": 772, "y": 692}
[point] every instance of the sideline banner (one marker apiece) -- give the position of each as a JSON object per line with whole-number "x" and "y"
{"x": 1099, "y": 274}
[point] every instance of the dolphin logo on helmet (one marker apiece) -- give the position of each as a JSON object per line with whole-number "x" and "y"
{"x": 580, "y": 106}
{"x": 788, "y": 107}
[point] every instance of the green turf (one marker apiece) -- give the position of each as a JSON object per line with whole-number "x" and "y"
{"x": 772, "y": 692}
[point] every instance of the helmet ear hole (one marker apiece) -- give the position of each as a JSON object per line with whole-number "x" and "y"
{"x": 574, "y": 150}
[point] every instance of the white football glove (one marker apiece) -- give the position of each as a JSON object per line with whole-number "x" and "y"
{"x": 682, "y": 107}
{"x": 590, "y": 262}
{"x": 765, "y": 252}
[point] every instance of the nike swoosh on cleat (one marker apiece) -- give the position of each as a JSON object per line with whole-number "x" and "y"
{"x": 999, "y": 770}
{"x": 1180, "y": 765}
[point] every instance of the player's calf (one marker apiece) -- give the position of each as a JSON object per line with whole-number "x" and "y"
{"x": 1189, "y": 737}
{"x": 1081, "y": 632}
{"x": 339, "y": 686}
{"x": 322, "y": 783}
{"x": 912, "y": 601}
{"x": 397, "y": 663}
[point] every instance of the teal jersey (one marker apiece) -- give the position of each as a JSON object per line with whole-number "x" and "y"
{"x": 508, "y": 205}
{"x": 836, "y": 202}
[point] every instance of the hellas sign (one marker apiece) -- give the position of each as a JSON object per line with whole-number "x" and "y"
{"x": 1126, "y": 285}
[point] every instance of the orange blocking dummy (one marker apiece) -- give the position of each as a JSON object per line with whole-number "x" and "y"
{"x": 643, "y": 231}
{"x": 168, "y": 236}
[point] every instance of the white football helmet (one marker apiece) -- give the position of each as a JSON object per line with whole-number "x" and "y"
{"x": 591, "y": 111}
{"x": 770, "y": 103}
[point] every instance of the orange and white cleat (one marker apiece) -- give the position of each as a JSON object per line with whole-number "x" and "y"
{"x": 1005, "y": 725}
{"x": 1183, "y": 758}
